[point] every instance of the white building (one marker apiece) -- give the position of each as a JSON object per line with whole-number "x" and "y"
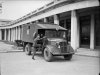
{"x": 80, "y": 17}
{"x": 4, "y": 22}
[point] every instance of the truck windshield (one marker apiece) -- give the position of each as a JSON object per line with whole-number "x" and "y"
{"x": 55, "y": 33}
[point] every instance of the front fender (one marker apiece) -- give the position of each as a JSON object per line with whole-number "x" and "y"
{"x": 53, "y": 49}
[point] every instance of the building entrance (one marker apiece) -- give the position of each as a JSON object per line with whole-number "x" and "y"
{"x": 85, "y": 31}
{"x": 66, "y": 23}
{"x": 97, "y": 31}
{"x": 3, "y": 34}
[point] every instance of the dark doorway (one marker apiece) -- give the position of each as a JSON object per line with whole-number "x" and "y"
{"x": 68, "y": 26}
{"x": 3, "y": 32}
{"x": 97, "y": 31}
{"x": 85, "y": 31}
{"x": 66, "y": 23}
{"x": 62, "y": 23}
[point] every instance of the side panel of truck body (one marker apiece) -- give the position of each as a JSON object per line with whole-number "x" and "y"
{"x": 27, "y": 32}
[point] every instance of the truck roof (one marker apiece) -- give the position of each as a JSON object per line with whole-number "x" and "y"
{"x": 48, "y": 26}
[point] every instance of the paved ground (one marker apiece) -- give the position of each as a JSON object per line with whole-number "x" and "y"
{"x": 88, "y": 52}
{"x": 17, "y": 63}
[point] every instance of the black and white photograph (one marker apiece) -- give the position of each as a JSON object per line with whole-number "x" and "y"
{"x": 49, "y": 37}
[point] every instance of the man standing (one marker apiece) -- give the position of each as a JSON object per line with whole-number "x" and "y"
{"x": 34, "y": 44}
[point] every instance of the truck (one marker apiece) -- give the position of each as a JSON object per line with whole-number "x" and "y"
{"x": 54, "y": 43}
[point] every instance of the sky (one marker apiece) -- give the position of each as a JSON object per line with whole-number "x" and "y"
{"x": 14, "y": 9}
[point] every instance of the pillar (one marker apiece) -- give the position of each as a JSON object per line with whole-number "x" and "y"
{"x": 78, "y": 32}
{"x": 22, "y": 30}
{"x": 5, "y": 37}
{"x": 92, "y": 32}
{"x": 74, "y": 28}
{"x": 19, "y": 33}
{"x": 45, "y": 20}
{"x": 0, "y": 35}
{"x": 16, "y": 33}
{"x": 9, "y": 35}
{"x": 12, "y": 34}
{"x": 56, "y": 19}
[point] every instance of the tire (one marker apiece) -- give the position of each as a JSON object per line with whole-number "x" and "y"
{"x": 68, "y": 57}
{"x": 47, "y": 55}
{"x": 28, "y": 49}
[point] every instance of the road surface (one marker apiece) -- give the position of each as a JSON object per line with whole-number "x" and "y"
{"x": 18, "y": 63}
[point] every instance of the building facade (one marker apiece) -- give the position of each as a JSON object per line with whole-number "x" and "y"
{"x": 80, "y": 17}
{"x": 4, "y": 22}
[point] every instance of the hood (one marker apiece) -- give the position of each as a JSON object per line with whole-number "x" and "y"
{"x": 56, "y": 39}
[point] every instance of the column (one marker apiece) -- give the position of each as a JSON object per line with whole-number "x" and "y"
{"x": 16, "y": 33}
{"x": 45, "y": 20}
{"x": 9, "y": 34}
{"x": 12, "y": 34}
{"x": 56, "y": 19}
{"x": 5, "y": 37}
{"x": 0, "y": 35}
{"x": 74, "y": 28}
{"x": 92, "y": 32}
{"x": 19, "y": 33}
{"x": 78, "y": 32}
{"x": 22, "y": 31}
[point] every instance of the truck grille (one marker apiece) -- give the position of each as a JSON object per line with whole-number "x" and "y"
{"x": 63, "y": 47}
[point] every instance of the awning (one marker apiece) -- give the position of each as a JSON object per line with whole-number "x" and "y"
{"x": 49, "y": 26}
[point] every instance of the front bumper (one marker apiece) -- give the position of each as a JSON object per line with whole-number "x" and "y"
{"x": 61, "y": 54}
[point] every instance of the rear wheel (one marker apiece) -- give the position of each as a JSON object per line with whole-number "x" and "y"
{"x": 68, "y": 57}
{"x": 28, "y": 49}
{"x": 47, "y": 55}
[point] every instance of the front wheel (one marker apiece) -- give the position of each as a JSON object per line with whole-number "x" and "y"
{"x": 47, "y": 55}
{"x": 68, "y": 57}
{"x": 28, "y": 49}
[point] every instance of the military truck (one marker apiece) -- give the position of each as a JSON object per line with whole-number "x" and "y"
{"x": 54, "y": 42}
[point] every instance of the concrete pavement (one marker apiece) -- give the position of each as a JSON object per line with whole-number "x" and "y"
{"x": 8, "y": 47}
{"x": 88, "y": 52}
{"x": 18, "y": 63}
